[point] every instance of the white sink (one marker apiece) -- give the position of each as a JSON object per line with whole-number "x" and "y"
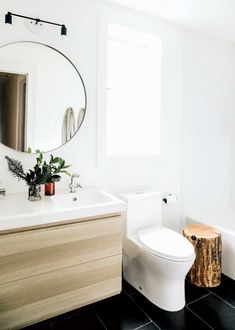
{"x": 85, "y": 198}
{"x": 17, "y": 212}
{"x": 16, "y": 205}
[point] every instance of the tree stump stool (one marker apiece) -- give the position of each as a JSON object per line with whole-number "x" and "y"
{"x": 206, "y": 270}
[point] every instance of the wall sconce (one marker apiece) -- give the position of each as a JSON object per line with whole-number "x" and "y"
{"x": 8, "y": 20}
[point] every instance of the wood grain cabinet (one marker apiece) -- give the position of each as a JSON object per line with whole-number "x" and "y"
{"x": 46, "y": 271}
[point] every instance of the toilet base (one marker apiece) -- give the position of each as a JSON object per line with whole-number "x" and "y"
{"x": 160, "y": 298}
{"x": 161, "y": 281}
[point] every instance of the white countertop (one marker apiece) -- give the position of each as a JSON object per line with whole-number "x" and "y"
{"x": 17, "y": 212}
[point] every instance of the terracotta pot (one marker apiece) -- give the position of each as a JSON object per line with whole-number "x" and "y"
{"x": 50, "y": 188}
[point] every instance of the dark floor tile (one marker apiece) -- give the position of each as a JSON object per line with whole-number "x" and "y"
{"x": 215, "y": 312}
{"x": 120, "y": 313}
{"x": 63, "y": 316}
{"x": 226, "y": 290}
{"x": 193, "y": 292}
{"x": 127, "y": 288}
{"x": 149, "y": 326}
{"x": 182, "y": 320}
{"x": 83, "y": 318}
{"x": 45, "y": 325}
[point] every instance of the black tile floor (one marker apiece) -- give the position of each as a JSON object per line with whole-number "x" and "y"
{"x": 205, "y": 309}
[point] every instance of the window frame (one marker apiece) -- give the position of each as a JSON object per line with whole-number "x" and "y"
{"x": 106, "y": 17}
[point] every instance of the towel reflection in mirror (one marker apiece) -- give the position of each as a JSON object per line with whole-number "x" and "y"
{"x": 69, "y": 125}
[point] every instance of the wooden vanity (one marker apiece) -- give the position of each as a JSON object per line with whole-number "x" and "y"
{"x": 50, "y": 269}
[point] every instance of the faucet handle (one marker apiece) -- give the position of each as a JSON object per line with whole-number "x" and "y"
{"x": 73, "y": 184}
{"x": 75, "y": 175}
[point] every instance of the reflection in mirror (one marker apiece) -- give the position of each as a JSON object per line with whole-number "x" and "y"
{"x": 42, "y": 97}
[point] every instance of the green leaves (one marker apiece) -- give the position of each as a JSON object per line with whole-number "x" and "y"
{"x": 55, "y": 160}
{"x": 55, "y": 166}
{"x": 55, "y": 178}
{"x": 42, "y": 172}
{"x": 39, "y": 159}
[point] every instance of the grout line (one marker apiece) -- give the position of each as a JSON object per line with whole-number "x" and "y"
{"x": 151, "y": 322}
{"x": 127, "y": 292}
{"x": 191, "y": 302}
{"x": 156, "y": 325}
{"x": 143, "y": 325}
{"x": 132, "y": 293}
{"x": 143, "y": 311}
{"x": 101, "y": 321}
{"x": 139, "y": 307}
{"x": 223, "y": 300}
{"x": 200, "y": 318}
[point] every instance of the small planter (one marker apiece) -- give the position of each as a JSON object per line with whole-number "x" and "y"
{"x": 42, "y": 172}
{"x": 34, "y": 193}
{"x": 50, "y": 188}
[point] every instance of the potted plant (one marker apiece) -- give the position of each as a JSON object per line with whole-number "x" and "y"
{"x": 53, "y": 168}
{"x": 33, "y": 178}
{"x": 42, "y": 173}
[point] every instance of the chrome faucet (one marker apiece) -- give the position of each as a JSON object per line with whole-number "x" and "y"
{"x": 73, "y": 184}
{"x": 2, "y": 192}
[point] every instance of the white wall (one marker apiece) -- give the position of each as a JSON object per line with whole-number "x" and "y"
{"x": 233, "y": 134}
{"x": 206, "y": 134}
{"x": 81, "y": 19}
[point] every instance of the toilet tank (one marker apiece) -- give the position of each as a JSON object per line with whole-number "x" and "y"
{"x": 144, "y": 209}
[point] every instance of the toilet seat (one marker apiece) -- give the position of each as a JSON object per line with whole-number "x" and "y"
{"x": 166, "y": 243}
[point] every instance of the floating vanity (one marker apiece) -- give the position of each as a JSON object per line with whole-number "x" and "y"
{"x": 57, "y": 254}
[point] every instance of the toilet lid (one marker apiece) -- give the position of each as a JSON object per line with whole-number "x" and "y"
{"x": 166, "y": 243}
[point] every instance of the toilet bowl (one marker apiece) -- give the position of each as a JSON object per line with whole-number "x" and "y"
{"x": 155, "y": 259}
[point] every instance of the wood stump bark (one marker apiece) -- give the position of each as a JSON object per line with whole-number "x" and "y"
{"x": 206, "y": 270}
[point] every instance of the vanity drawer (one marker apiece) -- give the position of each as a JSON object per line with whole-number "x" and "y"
{"x": 40, "y": 297}
{"x": 38, "y": 251}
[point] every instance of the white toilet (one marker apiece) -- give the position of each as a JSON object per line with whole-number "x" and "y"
{"x": 155, "y": 259}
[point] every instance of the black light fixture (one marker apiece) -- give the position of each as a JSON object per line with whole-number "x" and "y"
{"x": 63, "y": 30}
{"x": 8, "y": 20}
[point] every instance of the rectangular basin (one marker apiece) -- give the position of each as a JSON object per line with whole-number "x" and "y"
{"x": 83, "y": 199}
{"x": 19, "y": 213}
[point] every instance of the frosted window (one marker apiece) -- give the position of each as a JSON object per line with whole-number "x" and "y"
{"x": 133, "y": 93}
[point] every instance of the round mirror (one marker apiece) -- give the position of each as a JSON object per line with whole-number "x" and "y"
{"x": 42, "y": 97}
